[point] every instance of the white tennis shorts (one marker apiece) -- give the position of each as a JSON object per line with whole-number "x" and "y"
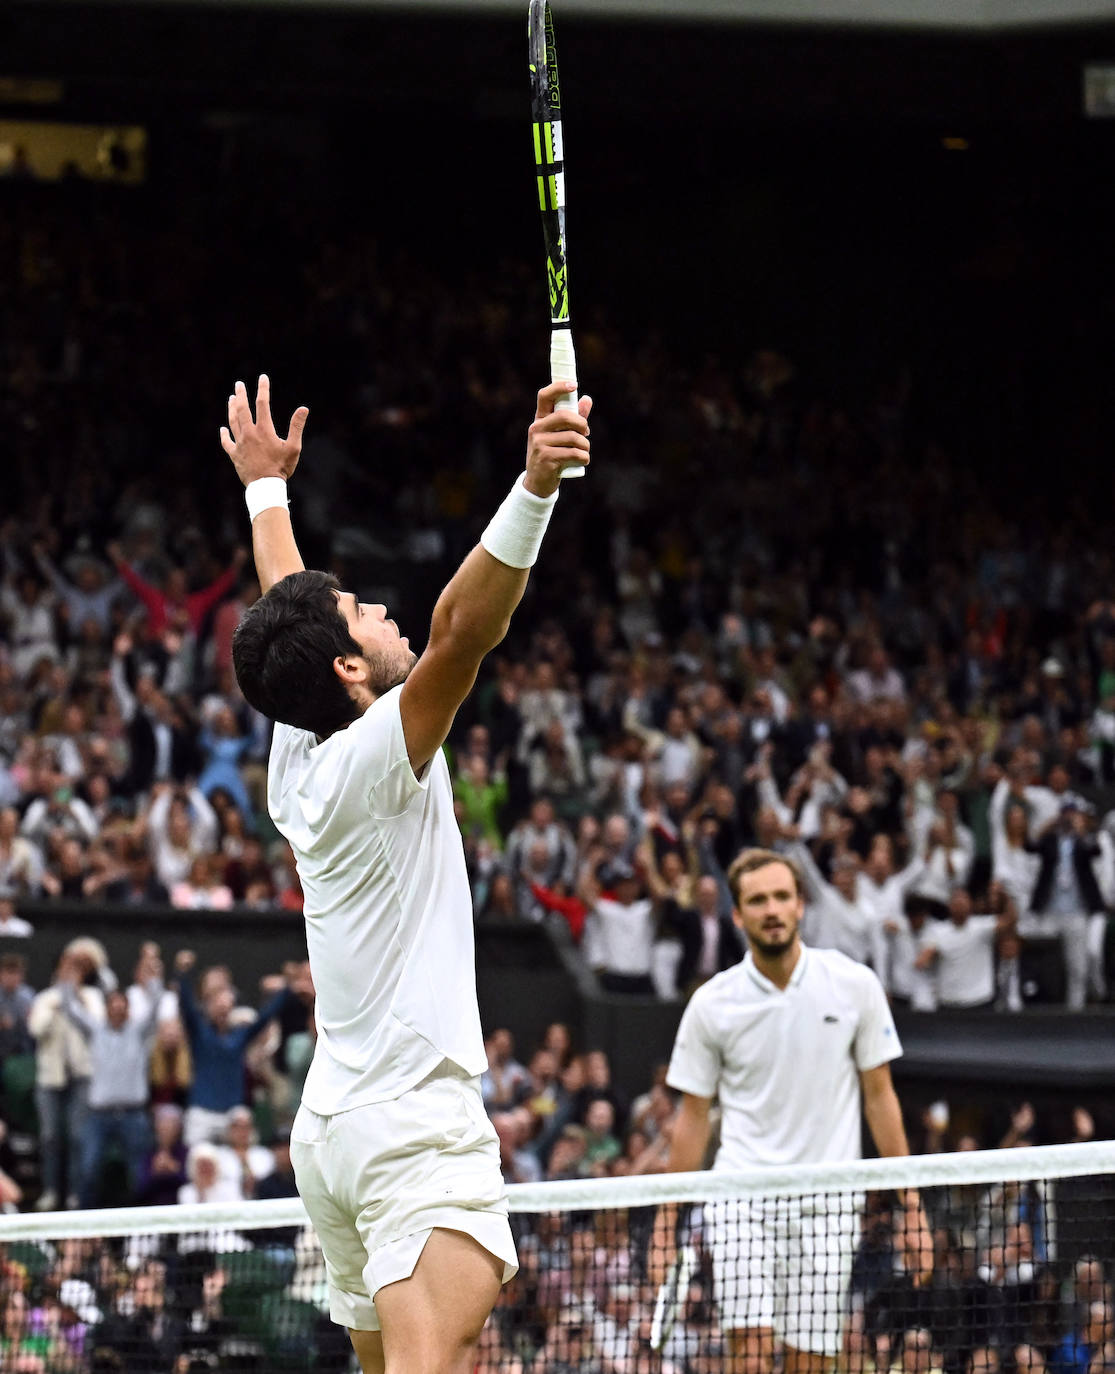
{"x": 377, "y": 1180}
{"x": 784, "y": 1264}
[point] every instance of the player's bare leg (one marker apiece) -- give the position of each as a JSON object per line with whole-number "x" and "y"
{"x": 806, "y": 1362}
{"x": 752, "y": 1350}
{"x": 369, "y": 1350}
{"x": 432, "y": 1321}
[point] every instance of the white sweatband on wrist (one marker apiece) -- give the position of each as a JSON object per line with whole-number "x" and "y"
{"x": 514, "y": 535}
{"x": 264, "y": 493}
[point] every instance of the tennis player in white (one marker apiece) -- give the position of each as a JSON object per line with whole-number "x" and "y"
{"x": 395, "y": 1158}
{"x": 791, "y": 1040}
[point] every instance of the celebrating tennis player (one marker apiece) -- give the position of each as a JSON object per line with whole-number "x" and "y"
{"x": 395, "y": 1158}
{"x": 791, "y": 1040}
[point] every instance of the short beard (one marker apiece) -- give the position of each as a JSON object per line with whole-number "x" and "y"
{"x": 771, "y": 949}
{"x": 385, "y": 672}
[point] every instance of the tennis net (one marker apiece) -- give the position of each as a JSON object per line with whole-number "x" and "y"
{"x": 989, "y": 1262}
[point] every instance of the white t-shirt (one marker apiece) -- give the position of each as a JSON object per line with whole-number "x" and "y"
{"x": 620, "y": 938}
{"x": 965, "y": 960}
{"x": 786, "y": 1063}
{"x": 387, "y": 904}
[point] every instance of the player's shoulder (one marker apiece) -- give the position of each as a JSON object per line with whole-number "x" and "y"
{"x": 722, "y": 988}
{"x": 839, "y": 967}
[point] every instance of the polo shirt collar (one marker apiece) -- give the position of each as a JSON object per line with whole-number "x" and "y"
{"x": 763, "y": 983}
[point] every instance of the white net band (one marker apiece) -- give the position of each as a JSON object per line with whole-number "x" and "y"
{"x": 985, "y": 1167}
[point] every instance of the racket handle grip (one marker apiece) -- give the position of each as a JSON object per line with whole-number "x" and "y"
{"x": 563, "y": 365}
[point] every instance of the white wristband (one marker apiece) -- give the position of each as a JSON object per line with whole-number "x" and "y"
{"x": 265, "y": 493}
{"x": 514, "y": 535}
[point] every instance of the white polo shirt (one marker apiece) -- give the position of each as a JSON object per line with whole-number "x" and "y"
{"x": 387, "y": 904}
{"x": 965, "y": 960}
{"x": 785, "y": 1063}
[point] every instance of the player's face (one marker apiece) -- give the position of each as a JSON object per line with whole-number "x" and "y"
{"x": 770, "y": 909}
{"x": 388, "y": 653}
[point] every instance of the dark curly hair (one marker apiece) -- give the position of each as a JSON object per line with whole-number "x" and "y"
{"x": 283, "y": 652}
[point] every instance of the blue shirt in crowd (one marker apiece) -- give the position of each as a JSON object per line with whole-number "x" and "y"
{"x": 218, "y": 1055}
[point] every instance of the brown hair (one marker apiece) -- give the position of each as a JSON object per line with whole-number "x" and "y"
{"x": 750, "y": 860}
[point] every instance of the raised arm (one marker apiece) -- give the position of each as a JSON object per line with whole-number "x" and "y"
{"x": 474, "y": 611}
{"x": 816, "y": 885}
{"x": 75, "y": 1011}
{"x": 258, "y": 453}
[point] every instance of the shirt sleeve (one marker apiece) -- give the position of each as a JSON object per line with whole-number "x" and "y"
{"x": 695, "y": 1063}
{"x": 876, "y": 1039}
{"x": 380, "y": 755}
{"x": 987, "y": 927}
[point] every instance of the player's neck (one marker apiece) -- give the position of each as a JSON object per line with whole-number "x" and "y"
{"x": 778, "y": 968}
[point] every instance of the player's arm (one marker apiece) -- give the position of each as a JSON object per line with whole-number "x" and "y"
{"x": 883, "y": 1111}
{"x": 474, "y": 611}
{"x": 690, "y": 1135}
{"x": 257, "y": 452}
{"x": 689, "y": 1139}
{"x": 884, "y": 1120}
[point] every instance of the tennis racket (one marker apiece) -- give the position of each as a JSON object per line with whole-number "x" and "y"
{"x": 672, "y": 1296}
{"x": 549, "y": 167}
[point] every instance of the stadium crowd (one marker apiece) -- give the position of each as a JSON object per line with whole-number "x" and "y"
{"x": 838, "y": 644}
{"x": 1022, "y": 1272}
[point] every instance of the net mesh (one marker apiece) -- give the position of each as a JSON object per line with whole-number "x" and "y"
{"x": 995, "y": 1261}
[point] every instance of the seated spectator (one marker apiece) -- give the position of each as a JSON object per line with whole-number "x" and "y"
{"x": 204, "y": 889}
{"x": 11, "y": 925}
{"x": 20, "y": 859}
{"x": 138, "y": 886}
{"x": 505, "y": 1082}
{"x": 1081, "y": 1347}
{"x": 171, "y": 1065}
{"x": 242, "y": 1158}
{"x": 205, "y": 1181}
{"x": 601, "y": 1145}
{"x": 517, "y": 1160}
{"x": 162, "y": 1173}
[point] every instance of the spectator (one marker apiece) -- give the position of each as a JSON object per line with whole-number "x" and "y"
{"x": 162, "y": 603}
{"x": 506, "y": 1082}
{"x": 223, "y": 747}
{"x": 138, "y": 886}
{"x": 620, "y": 930}
{"x": 1066, "y": 888}
{"x": 20, "y": 860}
{"x": 962, "y": 953}
{"x": 11, "y": 925}
{"x": 181, "y": 827}
{"x": 63, "y": 1066}
{"x": 203, "y": 889}
{"x": 118, "y": 1089}
{"x": 16, "y": 999}
{"x": 217, "y": 1050}
{"x": 242, "y": 1158}
{"x": 709, "y": 938}
{"x": 163, "y": 1171}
